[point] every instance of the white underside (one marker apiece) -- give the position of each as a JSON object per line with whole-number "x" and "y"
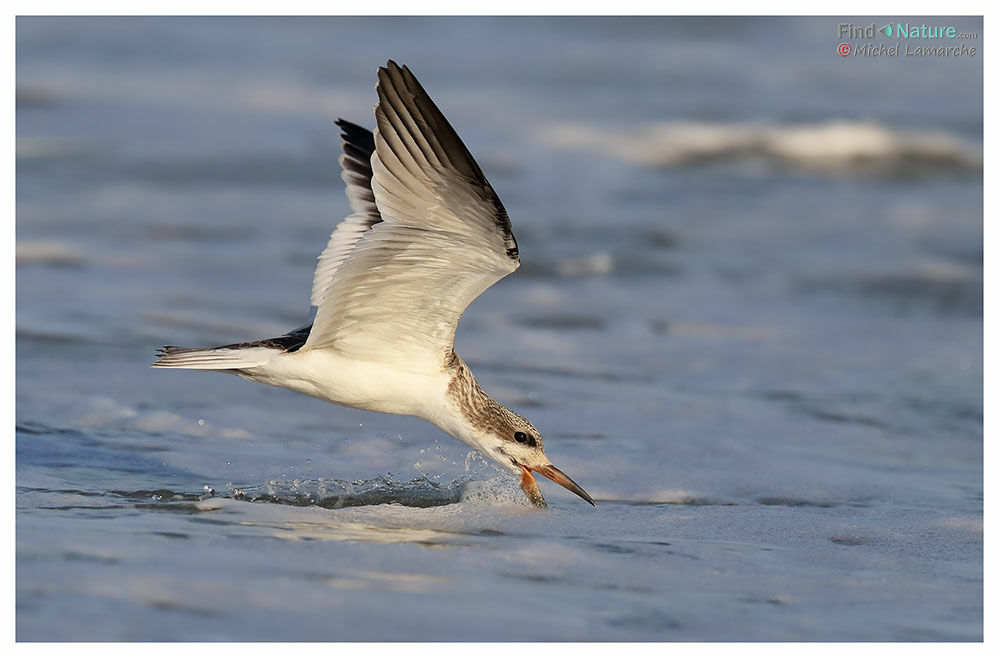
{"x": 328, "y": 375}
{"x": 374, "y": 386}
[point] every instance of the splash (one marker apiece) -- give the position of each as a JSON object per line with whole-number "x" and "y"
{"x": 335, "y": 494}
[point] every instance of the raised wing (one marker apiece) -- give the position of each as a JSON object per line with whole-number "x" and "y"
{"x": 355, "y": 163}
{"x": 443, "y": 239}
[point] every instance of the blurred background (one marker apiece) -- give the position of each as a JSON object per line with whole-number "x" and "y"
{"x": 748, "y": 321}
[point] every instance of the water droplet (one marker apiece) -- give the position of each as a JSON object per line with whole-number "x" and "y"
{"x": 201, "y": 421}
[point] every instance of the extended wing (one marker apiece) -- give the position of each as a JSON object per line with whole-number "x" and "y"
{"x": 355, "y": 162}
{"x": 440, "y": 238}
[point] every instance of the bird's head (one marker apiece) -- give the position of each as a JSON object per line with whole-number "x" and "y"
{"x": 499, "y": 433}
{"x": 516, "y": 443}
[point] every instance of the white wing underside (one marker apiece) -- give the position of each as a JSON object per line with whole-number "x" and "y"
{"x": 397, "y": 275}
{"x": 355, "y": 163}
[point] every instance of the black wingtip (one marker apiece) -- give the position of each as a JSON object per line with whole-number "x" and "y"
{"x": 358, "y": 140}
{"x": 347, "y": 126}
{"x": 351, "y": 129}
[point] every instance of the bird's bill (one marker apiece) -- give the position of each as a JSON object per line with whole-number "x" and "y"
{"x": 558, "y": 477}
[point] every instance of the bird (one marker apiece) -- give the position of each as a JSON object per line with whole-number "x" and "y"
{"x": 427, "y": 235}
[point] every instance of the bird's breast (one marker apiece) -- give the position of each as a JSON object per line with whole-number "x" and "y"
{"x": 370, "y": 385}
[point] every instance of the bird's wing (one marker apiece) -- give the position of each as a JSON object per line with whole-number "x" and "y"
{"x": 443, "y": 239}
{"x": 355, "y": 161}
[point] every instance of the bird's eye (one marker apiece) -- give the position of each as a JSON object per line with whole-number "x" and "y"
{"x": 520, "y": 437}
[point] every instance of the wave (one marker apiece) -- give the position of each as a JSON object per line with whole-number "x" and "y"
{"x": 54, "y": 148}
{"x": 49, "y": 252}
{"x": 335, "y": 494}
{"x": 331, "y": 493}
{"x": 832, "y": 147}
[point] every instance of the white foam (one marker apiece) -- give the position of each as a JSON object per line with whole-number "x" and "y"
{"x": 836, "y": 146}
{"x": 48, "y": 252}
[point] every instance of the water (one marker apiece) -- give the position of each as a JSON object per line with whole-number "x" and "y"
{"x": 748, "y": 322}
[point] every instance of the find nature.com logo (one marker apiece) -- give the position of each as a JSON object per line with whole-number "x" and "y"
{"x": 909, "y": 41}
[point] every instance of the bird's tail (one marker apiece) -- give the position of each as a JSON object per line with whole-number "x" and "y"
{"x": 230, "y": 357}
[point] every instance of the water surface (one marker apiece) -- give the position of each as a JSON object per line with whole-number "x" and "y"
{"x": 748, "y": 322}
